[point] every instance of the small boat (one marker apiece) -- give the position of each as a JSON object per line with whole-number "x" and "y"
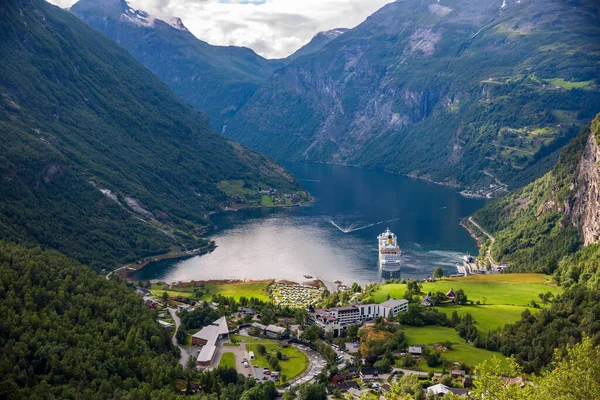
{"x": 308, "y": 276}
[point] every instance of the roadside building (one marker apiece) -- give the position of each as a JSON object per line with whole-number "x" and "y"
{"x": 441, "y": 390}
{"x": 457, "y": 373}
{"x": 165, "y": 324}
{"x": 274, "y": 331}
{"x": 208, "y": 337}
{"x": 246, "y": 311}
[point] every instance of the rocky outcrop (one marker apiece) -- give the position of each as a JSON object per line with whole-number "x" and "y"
{"x": 584, "y": 207}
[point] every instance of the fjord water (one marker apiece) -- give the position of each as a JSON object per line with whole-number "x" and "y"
{"x": 334, "y": 238}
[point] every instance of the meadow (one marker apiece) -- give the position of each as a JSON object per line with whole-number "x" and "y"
{"x": 256, "y": 289}
{"x": 461, "y": 352}
{"x": 493, "y": 289}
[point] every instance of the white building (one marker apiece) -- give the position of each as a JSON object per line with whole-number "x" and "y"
{"x": 339, "y": 318}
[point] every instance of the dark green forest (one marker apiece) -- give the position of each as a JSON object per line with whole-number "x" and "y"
{"x": 79, "y": 115}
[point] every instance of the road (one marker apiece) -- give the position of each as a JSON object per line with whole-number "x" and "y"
{"x": 487, "y": 254}
{"x": 184, "y": 352}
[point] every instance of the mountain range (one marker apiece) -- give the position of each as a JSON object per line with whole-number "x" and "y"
{"x": 465, "y": 93}
{"x": 458, "y": 92}
{"x": 99, "y": 159}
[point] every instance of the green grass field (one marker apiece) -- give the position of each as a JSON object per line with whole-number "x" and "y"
{"x": 463, "y": 354}
{"x": 569, "y": 85}
{"x": 236, "y": 290}
{"x": 227, "y": 360}
{"x": 497, "y": 289}
{"x": 488, "y": 317}
{"x": 430, "y": 335}
{"x": 296, "y": 364}
{"x": 266, "y": 201}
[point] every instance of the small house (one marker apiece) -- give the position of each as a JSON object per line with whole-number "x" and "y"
{"x": 426, "y": 301}
{"x": 457, "y": 373}
{"x": 416, "y": 350}
{"x": 451, "y": 295}
{"x": 165, "y": 324}
{"x": 467, "y": 382}
{"x": 369, "y": 374}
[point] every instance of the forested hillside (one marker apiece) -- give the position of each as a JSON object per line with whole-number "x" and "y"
{"x": 544, "y": 227}
{"x": 98, "y": 158}
{"x": 216, "y": 80}
{"x": 66, "y": 332}
{"x": 459, "y": 92}
{"x": 553, "y": 216}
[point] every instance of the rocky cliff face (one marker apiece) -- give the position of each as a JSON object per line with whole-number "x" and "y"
{"x": 584, "y": 206}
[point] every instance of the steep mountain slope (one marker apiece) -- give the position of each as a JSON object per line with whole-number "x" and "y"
{"x": 552, "y": 217}
{"x": 98, "y": 158}
{"x": 447, "y": 90}
{"x": 319, "y": 41}
{"x": 216, "y": 80}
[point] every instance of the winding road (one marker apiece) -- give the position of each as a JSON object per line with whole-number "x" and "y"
{"x": 487, "y": 254}
{"x": 184, "y": 353}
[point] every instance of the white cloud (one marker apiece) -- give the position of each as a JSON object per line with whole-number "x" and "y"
{"x": 272, "y": 28}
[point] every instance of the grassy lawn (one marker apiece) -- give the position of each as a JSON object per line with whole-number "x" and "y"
{"x": 499, "y": 289}
{"x": 238, "y": 289}
{"x": 488, "y": 317}
{"x": 430, "y": 334}
{"x": 266, "y": 201}
{"x": 257, "y": 289}
{"x": 227, "y": 360}
{"x": 569, "y": 85}
{"x": 294, "y": 366}
{"x": 464, "y": 354}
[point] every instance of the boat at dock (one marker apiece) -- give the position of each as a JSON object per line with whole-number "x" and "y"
{"x": 389, "y": 251}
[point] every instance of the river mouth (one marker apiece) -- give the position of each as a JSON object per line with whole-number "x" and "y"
{"x": 334, "y": 238}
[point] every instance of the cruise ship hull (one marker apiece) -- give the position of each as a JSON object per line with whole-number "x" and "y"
{"x": 389, "y": 252}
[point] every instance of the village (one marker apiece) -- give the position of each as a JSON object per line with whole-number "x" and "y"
{"x": 335, "y": 346}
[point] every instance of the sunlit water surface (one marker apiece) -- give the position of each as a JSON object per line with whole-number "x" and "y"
{"x": 335, "y": 237}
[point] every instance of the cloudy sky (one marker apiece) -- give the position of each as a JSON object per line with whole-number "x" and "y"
{"x": 272, "y": 28}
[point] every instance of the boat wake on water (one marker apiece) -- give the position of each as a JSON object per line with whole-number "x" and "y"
{"x": 353, "y": 227}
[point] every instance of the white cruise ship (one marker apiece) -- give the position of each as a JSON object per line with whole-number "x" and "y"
{"x": 389, "y": 251}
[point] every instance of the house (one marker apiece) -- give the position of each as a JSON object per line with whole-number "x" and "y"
{"x": 426, "y": 301}
{"x": 186, "y": 307}
{"x": 369, "y": 374}
{"x": 467, "y": 383}
{"x": 342, "y": 387}
{"x": 416, "y": 350}
{"x": 339, "y": 378}
{"x": 274, "y": 331}
{"x": 441, "y": 390}
{"x": 457, "y": 373}
{"x": 142, "y": 292}
{"x": 165, "y": 324}
{"x": 246, "y": 311}
{"x": 260, "y": 327}
{"x": 207, "y": 337}
{"x": 152, "y": 304}
{"x": 451, "y": 295}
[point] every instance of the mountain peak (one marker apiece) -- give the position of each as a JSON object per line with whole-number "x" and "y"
{"x": 318, "y": 41}
{"x": 120, "y": 10}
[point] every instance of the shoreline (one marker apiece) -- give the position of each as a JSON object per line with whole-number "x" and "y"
{"x": 471, "y": 233}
